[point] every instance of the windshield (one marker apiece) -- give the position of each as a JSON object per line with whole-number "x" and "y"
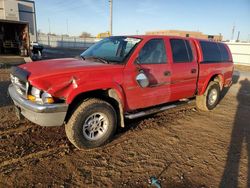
{"x": 112, "y": 49}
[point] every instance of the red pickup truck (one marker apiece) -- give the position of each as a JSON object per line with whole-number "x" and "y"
{"x": 120, "y": 77}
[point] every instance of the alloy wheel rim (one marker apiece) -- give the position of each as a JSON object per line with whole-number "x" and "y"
{"x": 95, "y": 126}
{"x": 212, "y": 97}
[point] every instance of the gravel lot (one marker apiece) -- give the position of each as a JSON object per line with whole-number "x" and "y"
{"x": 190, "y": 148}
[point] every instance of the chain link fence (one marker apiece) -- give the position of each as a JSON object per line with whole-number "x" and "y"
{"x": 63, "y": 41}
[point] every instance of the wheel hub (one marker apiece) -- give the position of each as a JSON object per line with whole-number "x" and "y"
{"x": 95, "y": 126}
{"x": 212, "y": 97}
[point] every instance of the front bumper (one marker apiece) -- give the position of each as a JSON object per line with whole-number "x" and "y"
{"x": 41, "y": 114}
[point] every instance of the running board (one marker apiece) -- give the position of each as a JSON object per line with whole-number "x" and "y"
{"x": 155, "y": 110}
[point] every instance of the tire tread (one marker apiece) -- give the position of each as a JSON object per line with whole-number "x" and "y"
{"x": 201, "y": 100}
{"x": 71, "y": 129}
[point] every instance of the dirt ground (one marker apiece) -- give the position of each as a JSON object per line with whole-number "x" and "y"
{"x": 181, "y": 147}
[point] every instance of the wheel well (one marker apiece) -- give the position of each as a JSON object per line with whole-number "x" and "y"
{"x": 99, "y": 94}
{"x": 217, "y": 78}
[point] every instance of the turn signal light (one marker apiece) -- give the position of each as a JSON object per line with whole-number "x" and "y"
{"x": 31, "y": 98}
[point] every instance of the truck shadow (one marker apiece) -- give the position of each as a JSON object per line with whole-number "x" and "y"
{"x": 240, "y": 135}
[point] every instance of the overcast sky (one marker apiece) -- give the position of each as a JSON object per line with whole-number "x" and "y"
{"x": 132, "y": 16}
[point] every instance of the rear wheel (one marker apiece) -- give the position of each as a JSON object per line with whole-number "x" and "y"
{"x": 210, "y": 98}
{"x": 92, "y": 124}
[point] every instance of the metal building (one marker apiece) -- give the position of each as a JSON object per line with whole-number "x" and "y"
{"x": 17, "y": 25}
{"x": 195, "y": 34}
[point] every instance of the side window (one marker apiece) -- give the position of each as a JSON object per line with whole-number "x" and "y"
{"x": 210, "y": 51}
{"x": 153, "y": 52}
{"x": 107, "y": 49}
{"x": 224, "y": 52}
{"x": 128, "y": 47}
{"x": 189, "y": 49}
{"x": 181, "y": 50}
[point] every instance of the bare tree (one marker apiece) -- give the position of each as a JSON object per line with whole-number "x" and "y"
{"x": 85, "y": 35}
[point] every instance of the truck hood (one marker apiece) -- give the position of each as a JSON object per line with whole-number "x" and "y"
{"x": 48, "y": 68}
{"x": 60, "y": 76}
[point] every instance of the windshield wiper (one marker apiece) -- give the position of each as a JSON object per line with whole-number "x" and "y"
{"x": 98, "y": 58}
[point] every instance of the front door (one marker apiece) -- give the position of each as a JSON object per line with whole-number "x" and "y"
{"x": 152, "y": 61}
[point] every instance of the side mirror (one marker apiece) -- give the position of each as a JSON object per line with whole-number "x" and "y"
{"x": 142, "y": 79}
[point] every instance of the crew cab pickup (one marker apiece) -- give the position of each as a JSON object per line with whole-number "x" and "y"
{"x": 120, "y": 77}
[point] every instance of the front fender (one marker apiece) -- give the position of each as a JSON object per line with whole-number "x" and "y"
{"x": 87, "y": 87}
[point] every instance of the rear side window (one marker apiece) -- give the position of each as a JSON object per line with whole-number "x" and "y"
{"x": 153, "y": 52}
{"x": 224, "y": 52}
{"x": 181, "y": 50}
{"x": 214, "y": 52}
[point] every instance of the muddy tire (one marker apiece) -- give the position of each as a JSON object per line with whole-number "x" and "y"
{"x": 92, "y": 124}
{"x": 210, "y": 98}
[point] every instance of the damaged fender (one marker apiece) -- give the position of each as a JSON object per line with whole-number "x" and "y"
{"x": 114, "y": 91}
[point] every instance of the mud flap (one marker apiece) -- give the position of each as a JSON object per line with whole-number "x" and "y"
{"x": 18, "y": 113}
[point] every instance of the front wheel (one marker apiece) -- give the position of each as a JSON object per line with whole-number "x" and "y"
{"x": 210, "y": 98}
{"x": 92, "y": 124}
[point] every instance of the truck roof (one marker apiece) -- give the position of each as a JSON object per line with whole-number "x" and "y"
{"x": 167, "y": 36}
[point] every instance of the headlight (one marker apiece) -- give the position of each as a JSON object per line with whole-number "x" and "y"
{"x": 36, "y": 92}
{"x": 39, "y": 96}
{"x": 47, "y": 98}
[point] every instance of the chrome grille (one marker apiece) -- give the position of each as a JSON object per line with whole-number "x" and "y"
{"x": 21, "y": 87}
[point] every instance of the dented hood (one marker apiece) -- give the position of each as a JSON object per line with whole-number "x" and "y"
{"x": 55, "y": 67}
{"x": 59, "y": 76}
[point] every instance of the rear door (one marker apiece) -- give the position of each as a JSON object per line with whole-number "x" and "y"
{"x": 152, "y": 60}
{"x": 184, "y": 68}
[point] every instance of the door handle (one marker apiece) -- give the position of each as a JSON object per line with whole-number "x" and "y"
{"x": 193, "y": 71}
{"x": 167, "y": 73}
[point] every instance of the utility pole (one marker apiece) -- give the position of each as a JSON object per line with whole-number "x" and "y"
{"x": 111, "y": 17}
{"x": 49, "y": 26}
{"x": 67, "y": 27}
{"x": 232, "y": 37}
{"x": 238, "y": 37}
